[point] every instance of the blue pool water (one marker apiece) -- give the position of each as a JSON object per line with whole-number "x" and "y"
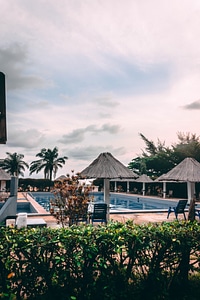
{"x": 135, "y": 202}
{"x": 43, "y": 198}
{"x": 117, "y": 201}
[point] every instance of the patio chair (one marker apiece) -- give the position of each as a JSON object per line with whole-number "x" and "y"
{"x": 99, "y": 213}
{"x": 170, "y": 194}
{"x": 179, "y": 209}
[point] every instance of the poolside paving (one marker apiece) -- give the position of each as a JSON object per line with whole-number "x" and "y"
{"x": 137, "y": 217}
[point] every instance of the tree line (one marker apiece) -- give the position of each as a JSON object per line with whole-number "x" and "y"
{"x": 157, "y": 158}
{"x": 49, "y": 162}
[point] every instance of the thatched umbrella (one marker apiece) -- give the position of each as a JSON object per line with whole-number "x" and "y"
{"x": 60, "y": 178}
{"x": 144, "y": 179}
{"x": 107, "y": 167}
{"x": 186, "y": 171}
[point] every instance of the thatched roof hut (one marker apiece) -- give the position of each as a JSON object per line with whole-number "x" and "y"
{"x": 144, "y": 178}
{"x": 187, "y": 170}
{"x": 107, "y": 167}
{"x": 61, "y": 177}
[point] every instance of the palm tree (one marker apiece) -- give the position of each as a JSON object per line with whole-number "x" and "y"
{"x": 49, "y": 161}
{"x": 14, "y": 164}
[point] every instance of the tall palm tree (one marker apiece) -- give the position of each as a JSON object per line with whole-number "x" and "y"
{"x": 49, "y": 162}
{"x": 14, "y": 164}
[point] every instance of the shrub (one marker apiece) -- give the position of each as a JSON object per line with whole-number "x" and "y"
{"x": 117, "y": 261}
{"x": 70, "y": 204}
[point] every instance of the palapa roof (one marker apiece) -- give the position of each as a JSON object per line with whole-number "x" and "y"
{"x": 61, "y": 177}
{"x": 188, "y": 170}
{"x": 4, "y": 175}
{"x": 144, "y": 178}
{"x": 132, "y": 179}
{"x": 107, "y": 167}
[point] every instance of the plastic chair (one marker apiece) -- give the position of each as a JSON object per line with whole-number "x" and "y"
{"x": 99, "y": 213}
{"x": 179, "y": 209}
{"x": 170, "y": 194}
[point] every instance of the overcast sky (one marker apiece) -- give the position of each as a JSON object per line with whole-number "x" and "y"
{"x": 88, "y": 76}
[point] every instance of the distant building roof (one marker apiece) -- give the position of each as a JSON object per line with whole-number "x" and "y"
{"x": 4, "y": 175}
{"x": 61, "y": 177}
{"x": 144, "y": 178}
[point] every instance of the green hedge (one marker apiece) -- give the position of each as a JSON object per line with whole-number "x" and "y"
{"x": 117, "y": 261}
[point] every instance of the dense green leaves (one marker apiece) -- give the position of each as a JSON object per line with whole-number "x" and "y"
{"x": 117, "y": 261}
{"x": 49, "y": 162}
{"x": 14, "y": 164}
{"x": 157, "y": 159}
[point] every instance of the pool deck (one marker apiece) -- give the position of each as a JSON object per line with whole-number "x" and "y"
{"x": 136, "y": 217}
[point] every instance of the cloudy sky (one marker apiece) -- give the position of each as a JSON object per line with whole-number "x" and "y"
{"x": 88, "y": 76}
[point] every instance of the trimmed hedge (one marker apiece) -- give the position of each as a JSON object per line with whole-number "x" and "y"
{"x": 117, "y": 261}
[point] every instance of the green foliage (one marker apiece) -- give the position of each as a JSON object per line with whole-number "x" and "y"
{"x": 157, "y": 159}
{"x": 117, "y": 261}
{"x": 14, "y": 164}
{"x": 48, "y": 161}
{"x": 188, "y": 146}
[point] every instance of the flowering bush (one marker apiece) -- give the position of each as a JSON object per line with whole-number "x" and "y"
{"x": 71, "y": 201}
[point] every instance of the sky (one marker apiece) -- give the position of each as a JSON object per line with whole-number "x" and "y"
{"x": 88, "y": 76}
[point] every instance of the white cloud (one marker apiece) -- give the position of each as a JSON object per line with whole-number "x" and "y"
{"x": 30, "y": 138}
{"x": 124, "y": 67}
{"x": 78, "y": 135}
{"x": 194, "y": 105}
{"x": 13, "y": 61}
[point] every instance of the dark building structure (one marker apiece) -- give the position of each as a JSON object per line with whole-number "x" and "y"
{"x": 3, "y": 131}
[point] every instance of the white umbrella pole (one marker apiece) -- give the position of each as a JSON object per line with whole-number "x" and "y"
{"x": 115, "y": 186}
{"x": 107, "y": 193}
{"x": 143, "y": 188}
{"x": 189, "y": 191}
{"x": 127, "y": 186}
{"x": 164, "y": 189}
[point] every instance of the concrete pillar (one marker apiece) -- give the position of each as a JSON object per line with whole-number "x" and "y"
{"x": 127, "y": 186}
{"x": 115, "y": 186}
{"x": 190, "y": 190}
{"x": 164, "y": 189}
{"x": 143, "y": 188}
{"x": 13, "y": 186}
{"x": 107, "y": 195}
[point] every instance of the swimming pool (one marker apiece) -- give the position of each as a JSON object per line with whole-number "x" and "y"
{"x": 118, "y": 202}
{"x": 135, "y": 202}
{"x": 43, "y": 198}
